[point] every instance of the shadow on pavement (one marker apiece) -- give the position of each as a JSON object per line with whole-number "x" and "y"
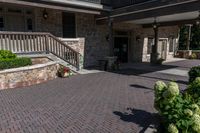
{"x": 140, "y": 87}
{"x": 142, "y": 118}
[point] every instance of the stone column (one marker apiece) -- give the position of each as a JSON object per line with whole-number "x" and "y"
{"x": 110, "y": 23}
{"x": 154, "y": 54}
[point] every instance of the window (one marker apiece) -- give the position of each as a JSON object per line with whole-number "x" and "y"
{"x": 14, "y": 11}
{"x": 171, "y": 44}
{"x": 1, "y": 23}
{"x": 29, "y": 24}
{"x": 29, "y": 12}
{"x": 69, "y": 25}
{"x": 149, "y": 45}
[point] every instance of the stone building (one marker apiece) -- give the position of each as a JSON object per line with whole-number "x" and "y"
{"x": 130, "y": 30}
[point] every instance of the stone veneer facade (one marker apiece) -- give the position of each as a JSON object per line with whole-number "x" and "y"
{"x": 96, "y": 45}
{"x": 52, "y": 24}
{"x": 26, "y": 76}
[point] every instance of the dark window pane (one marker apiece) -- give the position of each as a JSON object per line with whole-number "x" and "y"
{"x": 69, "y": 25}
{"x": 171, "y": 44}
{"x": 1, "y": 23}
{"x": 29, "y": 24}
{"x": 28, "y": 12}
{"x": 14, "y": 11}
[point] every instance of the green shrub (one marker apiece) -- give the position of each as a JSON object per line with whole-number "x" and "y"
{"x": 194, "y": 73}
{"x": 160, "y": 61}
{"x": 180, "y": 111}
{"x": 5, "y": 54}
{"x": 14, "y": 63}
{"x": 193, "y": 56}
{"x": 194, "y": 89}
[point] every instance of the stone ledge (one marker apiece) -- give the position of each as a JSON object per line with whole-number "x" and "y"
{"x": 37, "y": 66}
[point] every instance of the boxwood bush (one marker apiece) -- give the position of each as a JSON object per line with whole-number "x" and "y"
{"x": 14, "y": 63}
{"x": 9, "y": 60}
{"x": 5, "y": 54}
{"x": 194, "y": 73}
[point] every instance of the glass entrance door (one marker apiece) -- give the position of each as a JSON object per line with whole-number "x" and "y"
{"x": 121, "y": 48}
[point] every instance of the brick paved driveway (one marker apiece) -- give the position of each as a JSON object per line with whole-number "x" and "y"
{"x": 94, "y": 103}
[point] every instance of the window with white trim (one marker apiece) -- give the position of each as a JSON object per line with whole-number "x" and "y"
{"x": 171, "y": 44}
{"x": 150, "y": 44}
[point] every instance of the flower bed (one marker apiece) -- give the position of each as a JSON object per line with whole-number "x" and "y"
{"x": 9, "y": 60}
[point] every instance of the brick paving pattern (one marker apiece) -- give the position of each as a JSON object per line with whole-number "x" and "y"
{"x": 105, "y": 102}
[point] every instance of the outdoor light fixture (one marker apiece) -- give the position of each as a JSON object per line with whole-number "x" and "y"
{"x": 45, "y": 14}
{"x": 198, "y": 19}
{"x": 138, "y": 38}
{"x": 155, "y": 24}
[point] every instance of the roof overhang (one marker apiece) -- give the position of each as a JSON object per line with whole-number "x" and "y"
{"x": 163, "y": 12}
{"x": 64, "y": 5}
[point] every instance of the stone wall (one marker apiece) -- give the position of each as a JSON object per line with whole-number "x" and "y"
{"x": 163, "y": 33}
{"x": 78, "y": 44}
{"x": 188, "y": 54}
{"x": 138, "y": 47}
{"x": 96, "y": 45}
{"x": 26, "y": 76}
{"x": 52, "y": 24}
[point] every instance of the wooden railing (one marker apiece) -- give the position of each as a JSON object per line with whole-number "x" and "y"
{"x": 30, "y": 42}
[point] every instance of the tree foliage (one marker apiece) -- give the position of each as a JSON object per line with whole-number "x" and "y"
{"x": 195, "y": 37}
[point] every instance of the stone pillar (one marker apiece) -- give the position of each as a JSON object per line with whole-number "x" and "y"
{"x": 154, "y": 54}
{"x": 110, "y": 23}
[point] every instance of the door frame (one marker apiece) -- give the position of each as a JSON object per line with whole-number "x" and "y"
{"x": 165, "y": 47}
{"x": 76, "y": 26}
{"x": 128, "y": 36}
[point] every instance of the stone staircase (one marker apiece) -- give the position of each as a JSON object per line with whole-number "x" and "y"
{"x": 52, "y": 58}
{"x": 61, "y": 62}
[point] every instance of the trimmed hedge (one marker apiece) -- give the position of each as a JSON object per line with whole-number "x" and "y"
{"x": 14, "y": 62}
{"x": 194, "y": 73}
{"x": 6, "y": 54}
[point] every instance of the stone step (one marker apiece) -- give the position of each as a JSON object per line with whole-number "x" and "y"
{"x": 53, "y": 58}
{"x": 61, "y": 62}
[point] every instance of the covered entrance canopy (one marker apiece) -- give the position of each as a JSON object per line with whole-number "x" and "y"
{"x": 165, "y": 11}
{"x": 155, "y": 14}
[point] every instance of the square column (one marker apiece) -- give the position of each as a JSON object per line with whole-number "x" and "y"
{"x": 155, "y": 54}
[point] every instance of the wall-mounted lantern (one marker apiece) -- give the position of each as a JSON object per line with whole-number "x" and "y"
{"x": 155, "y": 24}
{"x": 45, "y": 14}
{"x": 198, "y": 20}
{"x": 138, "y": 38}
{"x": 107, "y": 38}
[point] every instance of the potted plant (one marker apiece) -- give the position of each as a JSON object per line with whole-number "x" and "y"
{"x": 160, "y": 61}
{"x": 64, "y": 72}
